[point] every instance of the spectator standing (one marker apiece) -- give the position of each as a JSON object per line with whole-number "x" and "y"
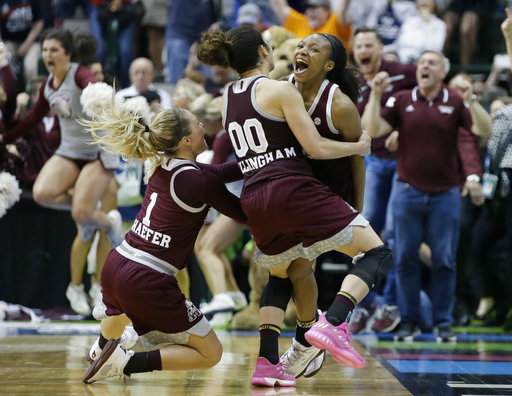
{"x": 184, "y": 26}
{"x": 466, "y": 14}
{"x": 21, "y": 23}
{"x": 386, "y": 16}
{"x": 155, "y": 19}
{"x": 320, "y": 16}
{"x": 380, "y": 166}
{"x": 421, "y": 32}
{"x": 434, "y": 140}
{"x": 113, "y": 23}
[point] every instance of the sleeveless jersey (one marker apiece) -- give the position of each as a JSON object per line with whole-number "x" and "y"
{"x": 264, "y": 145}
{"x": 65, "y": 103}
{"x": 336, "y": 173}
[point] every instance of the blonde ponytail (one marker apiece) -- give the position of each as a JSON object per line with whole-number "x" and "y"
{"x": 126, "y": 133}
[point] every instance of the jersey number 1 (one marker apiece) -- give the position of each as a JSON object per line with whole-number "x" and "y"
{"x": 152, "y": 201}
{"x": 243, "y": 138}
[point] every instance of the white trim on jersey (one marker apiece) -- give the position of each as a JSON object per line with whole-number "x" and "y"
{"x": 258, "y": 109}
{"x": 178, "y": 201}
{"x": 144, "y": 258}
{"x": 225, "y": 96}
{"x": 175, "y": 162}
{"x": 317, "y": 97}
{"x": 328, "y": 109}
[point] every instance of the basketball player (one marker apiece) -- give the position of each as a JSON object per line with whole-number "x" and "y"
{"x": 77, "y": 164}
{"x": 293, "y": 216}
{"x": 138, "y": 280}
{"x": 330, "y": 96}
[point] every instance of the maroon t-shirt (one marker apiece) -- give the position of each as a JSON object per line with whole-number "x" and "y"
{"x": 435, "y": 144}
{"x": 175, "y": 205}
{"x": 335, "y": 173}
{"x": 264, "y": 144}
{"x": 403, "y": 76}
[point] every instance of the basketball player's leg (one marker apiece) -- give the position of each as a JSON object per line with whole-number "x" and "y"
{"x": 373, "y": 265}
{"x": 210, "y": 252}
{"x": 331, "y": 332}
{"x": 90, "y": 187}
{"x": 198, "y": 353}
{"x": 305, "y": 295}
{"x": 56, "y": 178}
{"x": 108, "y": 203}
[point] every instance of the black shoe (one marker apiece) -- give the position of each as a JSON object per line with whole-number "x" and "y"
{"x": 407, "y": 331}
{"x": 445, "y": 334}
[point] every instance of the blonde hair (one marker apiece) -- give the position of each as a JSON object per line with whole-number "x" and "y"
{"x": 126, "y": 133}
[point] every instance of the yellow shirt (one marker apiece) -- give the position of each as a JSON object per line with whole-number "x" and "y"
{"x": 297, "y": 23}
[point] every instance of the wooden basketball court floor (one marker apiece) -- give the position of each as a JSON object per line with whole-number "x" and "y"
{"x": 49, "y": 359}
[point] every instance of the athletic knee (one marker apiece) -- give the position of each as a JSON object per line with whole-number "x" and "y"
{"x": 277, "y": 293}
{"x": 296, "y": 273}
{"x": 41, "y": 195}
{"x": 214, "y": 354}
{"x": 81, "y": 214}
{"x": 373, "y": 266}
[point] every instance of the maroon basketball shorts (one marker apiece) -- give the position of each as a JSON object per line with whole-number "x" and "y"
{"x": 297, "y": 216}
{"x": 151, "y": 299}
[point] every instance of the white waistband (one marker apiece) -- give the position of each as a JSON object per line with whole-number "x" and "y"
{"x": 146, "y": 259}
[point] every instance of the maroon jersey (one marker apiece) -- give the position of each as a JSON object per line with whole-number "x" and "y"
{"x": 175, "y": 205}
{"x": 336, "y": 173}
{"x": 264, "y": 144}
{"x": 403, "y": 76}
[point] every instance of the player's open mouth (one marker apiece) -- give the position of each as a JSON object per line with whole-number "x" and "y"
{"x": 424, "y": 76}
{"x": 300, "y": 66}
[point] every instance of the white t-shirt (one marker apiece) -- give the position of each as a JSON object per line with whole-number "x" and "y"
{"x": 418, "y": 35}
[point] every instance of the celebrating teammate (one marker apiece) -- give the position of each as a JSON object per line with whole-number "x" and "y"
{"x": 293, "y": 216}
{"x": 138, "y": 280}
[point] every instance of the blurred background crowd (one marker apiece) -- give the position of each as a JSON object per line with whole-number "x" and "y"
{"x": 148, "y": 48}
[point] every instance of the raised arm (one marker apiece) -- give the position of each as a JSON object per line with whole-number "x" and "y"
{"x": 506, "y": 29}
{"x": 340, "y": 8}
{"x": 304, "y": 129}
{"x": 36, "y": 114}
{"x": 346, "y": 119}
{"x": 280, "y": 8}
{"x": 372, "y": 121}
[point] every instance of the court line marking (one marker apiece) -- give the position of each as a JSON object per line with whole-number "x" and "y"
{"x": 483, "y": 386}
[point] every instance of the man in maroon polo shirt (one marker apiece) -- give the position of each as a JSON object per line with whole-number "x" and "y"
{"x": 380, "y": 169}
{"x": 434, "y": 141}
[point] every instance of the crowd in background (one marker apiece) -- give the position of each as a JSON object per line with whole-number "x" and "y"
{"x": 148, "y": 49}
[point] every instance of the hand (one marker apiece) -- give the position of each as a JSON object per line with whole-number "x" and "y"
{"x": 391, "y": 142}
{"x": 474, "y": 189}
{"x": 465, "y": 88}
{"x": 22, "y": 100}
{"x": 506, "y": 26}
{"x": 380, "y": 82}
{"x": 365, "y": 142}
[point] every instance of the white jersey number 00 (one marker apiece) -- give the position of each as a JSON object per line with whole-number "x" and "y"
{"x": 250, "y": 136}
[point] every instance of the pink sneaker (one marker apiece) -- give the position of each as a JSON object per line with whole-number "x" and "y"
{"x": 335, "y": 340}
{"x": 270, "y": 375}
